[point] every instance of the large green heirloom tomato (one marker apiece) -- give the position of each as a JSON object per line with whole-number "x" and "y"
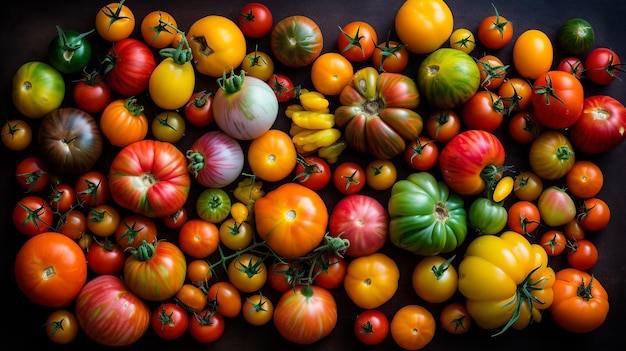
{"x": 38, "y": 89}
{"x": 69, "y": 52}
{"x": 377, "y": 112}
{"x": 447, "y": 78}
{"x": 426, "y": 218}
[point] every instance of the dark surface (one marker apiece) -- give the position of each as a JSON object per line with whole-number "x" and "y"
{"x": 28, "y": 29}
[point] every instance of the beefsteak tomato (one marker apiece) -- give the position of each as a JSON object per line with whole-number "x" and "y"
{"x": 601, "y": 126}
{"x": 296, "y": 41}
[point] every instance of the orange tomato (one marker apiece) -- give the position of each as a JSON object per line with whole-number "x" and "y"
{"x": 330, "y": 73}
{"x": 124, "y": 115}
{"x": 115, "y": 21}
{"x": 156, "y": 29}
{"x": 272, "y": 156}
{"x": 357, "y": 41}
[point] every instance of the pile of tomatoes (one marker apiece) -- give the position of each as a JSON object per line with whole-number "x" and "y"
{"x": 161, "y": 179}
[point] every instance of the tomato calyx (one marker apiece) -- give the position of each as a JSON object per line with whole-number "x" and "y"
{"x": 70, "y": 46}
{"x": 144, "y": 251}
{"x": 354, "y": 41}
{"x": 232, "y": 83}
{"x": 612, "y": 68}
{"x": 491, "y": 72}
{"x": 133, "y": 107}
{"x": 31, "y": 178}
{"x": 418, "y": 147}
{"x": 350, "y": 179}
{"x": 584, "y": 291}
{"x": 34, "y": 216}
{"x": 182, "y": 53}
{"x": 114, "y": 15}
{"x": 548, "y": 91}
{"x": 499, "y": 25}
{"x": 439, "y": 270}
{"x": 490, "y": 175}
{"x": 387, "y": 51}
{"x": 256, "y": 60}
{"x": 308, "y": 169}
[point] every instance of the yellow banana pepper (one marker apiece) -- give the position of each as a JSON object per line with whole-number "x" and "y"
{"x": 313, "y": 120}
{"x": 332, "y": 152}
{"x": 289, "y": 111}
{"x": 314, "y": 101}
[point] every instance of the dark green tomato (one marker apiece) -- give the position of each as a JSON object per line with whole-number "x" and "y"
{"x": 486, "y": 216}
{"x": 426, "y": 218}
{"x": 213, "y": 205}
{"x": 576, "y": 36}
{"x": 69, "y": 52}
{"x": 296, "y": 41}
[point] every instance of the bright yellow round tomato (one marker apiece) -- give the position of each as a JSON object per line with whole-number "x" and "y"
{"x": 272, "y": 156}
{"x": 217, "y": 44}
{"x": 381, "y": 174}
{"x": 463, "y": 39}
{"x": 115, "y": 22}
{"x": 330, "y": 73}
{"x": 435, "y": 279}
{"x": 247, "y": 272}
{"x": 155, "y": 33}
{"x": 258, "y": 64}
{"x": 424, "y": 25}
{"x": 257, "y": 309}
{"x": 532, "y": 54}
{"x": 371, "y": 280}
{"x": 168, "y": 126}
{"x": 171, "y": 84}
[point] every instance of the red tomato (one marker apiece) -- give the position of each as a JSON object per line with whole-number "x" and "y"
{"x": 523, "y": 217}
{"x": 557, "y": 99}
{"x": 105, "y": 257}
{"x": 390, "y": 56}
{"x": 255, "y": 20}
{"x": 199, "y": 109}
{"x": 602, "y": 65}
{"x": 483, "y": 111}
{"x": 371, "y": 327}
{"x": 553, "y": 241}
{"x": 443, "y": 125}
{"x": 349, "y": 178}
{"x": 92, "y": 189}
{"x": 515, "y": 94}
{"x": 574, "y": 231}
{"x": 582, "y": 254}
{"x": 133, "y": 229}
{"x": 584, "y": 180}
{"x": 357, "y": 41}
{"x": 282, "y": 86}
{"x": 594, "y": 214}
{"x": 524, "y": 127}
{"x": 421, "y": 154}
{"x": 198, "y": 238}
{"x": 206, "y": 327}
{"x": 72, "y": 224}
{"x": 32, "y": 215}
{"x": 312, "y": 172}
{"x": 572, "y": 65}
{"x": 600, "y": 127}
{"x": 177, "y": 219}
{"x": 91, "y": 93}
{"x": 225, "y": 298}
{"x": 283, "y": 275}
{"x": 492, "y": 72}
{"x": 495, "y": 31}
{"x": 169, "y": 321}
{"x": 130, "y": 64}
{"x": 329, "y": 271}
{"x": 62, "y": 197}
{"x": 32, "y": 174}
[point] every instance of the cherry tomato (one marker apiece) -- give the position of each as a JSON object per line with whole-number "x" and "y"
{"x": 602, "y": 65}
{"x": 421, "y": 154}
{"x": 329, "y": 271}
{"x": 582, "y": 254}
{"x": 32, "y": 174}
{"x": 523, "y": 217}
{"x": 330, "y": 73}
{"x": 199, "y": 271}
{"x": 455, "y": 319}
{"x": 495, "y": 31}
{"x": 257, "y": 309}
{"x": 463, "y": 39}
{"x": 156, "y": 29}
{"x": 258, "y": 64}
{"x": 492, "y": 72}
{"x": 198, "y": 238}
{"x": 282, "y": 86}
{"x": 572, "y": 65}
{"x": 176, "y": 219}
{"x": 16, "y": 134}
{"x": 483, "y": 111}
{"x": 312, "y": 172}
{"x": 255, "y": 20}
{"x": 115, "y": 22}
{"x": 168, "y": 126}
{"x": 206, "y": 326}
{"x": 443, "y": 125}
{"x": 235, "y": 236}
{"x": 72, "y": 223}
{"x": 594, "y": 214}
{"x": 92, "y": 188}
{"x": 133, "y": 229}
{"x": 435, "y": 279}
{"x": 91, "y": 93}
{"x": 226, "y": 298}
{"x": 105, "y": 257}
{"x": 516, "y": 94}
{"x": 573, "y": 230}
{"x": 357, "y": 41}
{"x": 371, "y": 327}
{"x": 32, "y": 215}
{"x": 103, "y": 220}
{"x": 524, "y": 127}
{"x": 62, "y": 197}
{"x": 199, "y": 109}
{"x": 584, "y": 180}
{"x": 380, "y": 174}
{"x": 349, "y": 177}
{"x": 247, "y": 272}
{"x": 390, "y": 56}
{"x": 62, "y": 326}
{"x": 553, "y": 241}
{"x": 527, "y": 186}
{"x": 169, "y": 321}
{"x": 283, "y": 275}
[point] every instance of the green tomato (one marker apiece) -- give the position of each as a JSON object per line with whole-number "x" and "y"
{"x": 486, "y": 216}
{"x": 69, "y": 52}
{"x": 213, "y": 205}
{"x": 576, "y": 36}
{"x": 38, "y": 89}
{"x": 426, "y": 218}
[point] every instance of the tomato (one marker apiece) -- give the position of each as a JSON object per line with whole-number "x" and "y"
{"x": 255, "y": 20}
{"x": 585, "y": 179}
{"x": 133, "y": 229}
{"x": 158, "y": 29}
{"x": 487, "y": 216}
{"x": 305, "y": 314}
{"x": 390, "y": 56}
{"x": 284, "y": 275}
{"x": 371, "y": 280}
{"x": 532, "y": 54}
{"x": 380, "y": 174}
{"x": 192, "y": 297}
{"x": 169, "y": 321}
{"x": 296, "y": 41}
{"x": 91, "y": 93}
{"x": 127, "y": 67}
{"x": 527, "y": 186}
{"x": 292, "y": 219}
{"x": 594, "y": 214}
{"x": 38, "y": 89}
{"x": 69, "y": 51}
{"x": 503, "y": 189}
{"x": 124, "y": 114}
{"x": 423, "y": 25}
{"x": 198, "y": 271}
{"x": 215, "y": 159}
{"x": 553, "y": 241}
{"x": 435, "y": 279}
{"x": 371, "y": 327}
{"x": 105, "y": 257}
{"x": 115, "y": 21}
{"x": 258, "y": 64}
{"x": 483, "y": 111}
{"x": 462, "y": 39}
{"x": 357, "y": 41}
{"x": 575, "y": 36}
{"x": 16, "y": 134}
{"x": 582, "y": 254}
{"x": 455, "y": 319}
{"x": 329, "y": 271}
{"x": 177, "y": 219}
{"x": 235, "y": 236}
{"x": 551, "y": 155}
{"x": 225, "y": 298}
{"x": 198, "y": 238}
{"x": 247, "y": 272}
{"x": 557, "y": 99}
{"x": 574, "y": 230}
{"x": 556, "y": 206}
{"x": 312, "y": 172}
{"x": 330, "y": 73}
{"x": 524, "y": 127}
{"x": 213, "y": 205}
{"x": 602, "y": 65}
{"x": 50, "y": 269}
{"x": 168, "y": 126}
{"x": 349, "y": 177}
{"x": 421, "y": 154}
{"x": 572, "y": 65}
{"x": 32, "y": 215}
{"x": 85, "y": 241}
{"x": 92, "y": 188}
{"x": 32, "y": 174}
{"x": 62, "y": 197}
{"x": 199, "y": 109}
{"x": 72, "y": 224}
{"x": 103, "y": 220}
{"x": 257, "y": 309}
{"x": 581, "y": 304}
{"x": 443, "y": 125}
{"x": 272, "y": 156}
{"x": 495, "y": 31}
{"x": 412, "y": 327}
{"x": 173, "y": 80}
{"x": 109, "y": 314}
{"x": 516, "y": 94}
{"x": 62, "y": 326}
{"x": 523, "y": 217}
{"x": 492, "y": 72}
{"x": 599, "y": 127}
{"x": 150, "y": 178}
{"x": 206, "y": 327}
{"x": 282, "y": 86}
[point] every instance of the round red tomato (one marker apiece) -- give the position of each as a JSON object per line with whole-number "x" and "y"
{"x": 557, "y": 99}
{"x": 129, "y": 65}
{"x": 133, "y": 229}
{"x": 572, "y": 65}
{"x": 422, "y": 154}
{"x": 585, "y": 179}
{"x": 443, "y": 125}
{"x": 553, "y": 241}
{"x": 349, "y": 177}
{"x": 206, "y": 326}
{"x": 105, "y": 257}
{"x": 455, "y": 319}
{"x": 72, "y": 223}
{"x": 169, "y": 321}
{"x": 492, "y": 72}
{"x": 32, "y": 174}
{"x": 523, "y": 217}
{"x": 602, "y": 65}
{"x": 92, "y": 189}
{"x": 357, "y": 41}
{"x": 91, "y": 93}
{"x": 515, "y": 94}
{"x": 594, "y": 214}
{"x": 32, "y": 215}
{"x": 255, "y": 20}
{"x": 313, "y": 172}
{"x": 62, "y": 197}
{"x": 495, "y": 31}
{"x": 524, "y": 127}
{"x": 284, "y": 275}
{"x": 282, "y": 86}
{"x": 199, "y": 109}
{"x": 582, "y": 254}
{"x": 177, "y": 219}
{"x": 483, "y": 111}
{"x": 600, "y": 126}
{"x": 390, "y": 56}
{"x": 329, "y": 270}
{"x": 371, "y": 327}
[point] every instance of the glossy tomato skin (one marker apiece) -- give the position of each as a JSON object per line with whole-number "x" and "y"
{"x": 557, "y": 99}
{"x": 69, "y": 51}
{"x": 380, "y": 174}
{"x": 62, "y": 197}
{"x": 576, "y": 36}
{"x": 50, "y": 269}
{"x": 313, "y": 172}
{"x": 409, "y": 319}
{"x": 371, "y": 327}
{"x": 158, "y": 29}
{"x": 282, "y": 86}
{"x": 235, "y": 236}
{"x": 38, "y": 89}
{"x": 572, "y": 65}
{"x": 523, "y": 217}
{"x": 92, "y": 188}
{"x": 130, "y": 63}
{"x": 172, "y": 83}
{"x": 553, "y": 241}
{"x": 556, "y": 206}
{"x": 258, "y": 64}
{"x": 296, "y": 41}
{"x": 206, "y": 327}
{"x": 551, "y": 155}
{"x": 357, "y": 41}
{"x": 169, "y": 321}
{"x": 255, "y": 20}
{"x": 602, "y": 65}
{"x": 600, "y": 125}
{"x": 527, "y": 186}
{"x": 371, "y": 280}
{"x": 330, "y": 73}
{"x": 424, "y": 25}
{"x": 484, "y": 111}
{"x": 199, "y": 109}
{"x": 516, "y": 94}
{"x": 115, "y": 21}
{"x": 168, "y": 126}
{"x": 198, "y": 238}
{"x": 443, "y": 125}
{"x": 16, "y": 134}
{"x": 594, "y": 214}
{"x": 330, "y": 270}
{"x": 32, "y": 174}
{"x": 91, "y": 93}
{"x": 124, "y": 114}
{"x": 349, "y": 177}
{"x": 463, "y": 39}
{"x": 213, "y": 205}
{"x": 258, "y": 309}
{"x": 582, "y": 254}
{"x": 422, "y": 154}
{"x": 524, "y": 127}
{"x": 532, "y": 54}
{"x": 495, "y": 31}
{"x": 226, "y": 297}
{"x": 247, "y": 272}
{"x": 215, "y": 159}
{"x": 455, "y": 319}
{"x": 492, "y": 72}
{"x": 62, "y": 326}
{"x": 272, "y": 156}
{"x": 390, "y": 56}
{"x": 32, "y": 215}
{"x": 105, "y": 257}
{"x": 435, "y": 279}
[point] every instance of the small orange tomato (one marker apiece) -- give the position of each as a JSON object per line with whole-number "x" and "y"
{"x": 330, "y": 73}
{"x": 115, "y": 21}
{"x": 192, "y": 297}
{"x": 199, "y": 271}
{"x": 62, "y": 326}
{"x": 198, "y": 238}
{"x": 516, "y": 94}
{"x": 272, "y": 156}
{"x": 158, "y": 29}
{"x": 380, "y": 174}
{"x": 390, "y": 56}
{"x": 357, "y": 41}
{"x": 257, "y": 309}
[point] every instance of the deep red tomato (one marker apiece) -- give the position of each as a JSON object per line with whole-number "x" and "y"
{"x": 206, "y": 326}
{"x": 199, "y": 109}
{"x": 553, "y": 241}
{"x": 282, "y": 86}
{"x": 32, "y": 174}
{"x": 602, "y": 65}
{"x": 574, "y": 231}
{"x": 72, "y": 223}
{"x": 371, "y": 327}
{"x": 105, "y": 257}
{"x": 524, "y": 127}
{"x": 572, "y": 65}
{"x": 91, "y": 93}
{"x": 62, "y": 197}
{"x": 495, "y": 31}
{"x": 313, "y": 172}
{"x": 594, "y": 214}
{"x": 582, "y": 254}
{"x": 421, "y": 154}
{"x": 92, "y": 189}
{"x": 255, "y": 20}
{"x": 349, "y": 177}
{"x": 357, "y": 41}
{"x": 284, "y": 275}
{"x": 523, "y": 217}
{"x": 443, "y": 125}
{"x": 329, "y": 270}
{"x": 128, "y": 66}
{"x": 177, "y": 219}
{"x": 585, "y": 179}
{"x": 492, "y": 72}
{"x": 484, "y": 111}
{"x": 600, "y": 127}
{"x": 390, "y": 56}
{"x": 169, "y": 321}
{"x": 557, "y": 99}
{"x": 32, "y": 215}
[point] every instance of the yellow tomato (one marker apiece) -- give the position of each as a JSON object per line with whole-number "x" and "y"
{"x": 503, "y": 189}
{"x": 247, "y": 272}
{"x": 380, "y": 174}
{"x": 463, "y": 39}
{"x": 171, "y": 84}
{"x": 424, "y": 25}
{"x": 168, "y": 126}
{"x": 532, "y": 54}
{"x": 272, "y": 156}
{"x": 115, "y": 22}
{"x": 258, "y": 64}
{"x": 371, "y": 280}
{"x": 330, "y": 73}
{"x": 217, "y": 45}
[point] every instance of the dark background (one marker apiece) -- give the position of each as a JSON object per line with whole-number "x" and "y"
{"x": 28, "y": 28}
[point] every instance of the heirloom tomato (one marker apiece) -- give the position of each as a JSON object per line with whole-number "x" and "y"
{"x": 523, "y": 217}
{"x": 551, "y": 155}
{"x": 532, "y": 54}
{"x": 217, "y": 45}
{"x": 594, "y": 214}
{"x": 553, "y": 241}
{"x": 515, "y": 94}
{"x": 198, "y": 238}
{"x": 371, "y": 280}
{"x": 556, "y": 206}
{"x": 258, "y": 309}
{"x": 155, "y": 271}
{"x": 463, "y": 39}
{"x": 150, "y": 178}
{"x": 247, "y": 272}
{"x": 91, "y": 93}
{"x": 272, "y": 156}
{"x": 524, "y": 127}
{"x": 371, "y": 327}
{"x": 32, "y": 174}
{"x": 168, "y": 126}
{"x": 115, "y": 21}
{"x": 426, "y": 218}
{"x": 16, "y": 134}
{"x": 496, "y": 272}
{"x": 158, "y": 29}
{"x": 434, "y": 279}
{"x": 423, "y": 25}
{"x": 455, "y": 319}
{"x": 127, "y": 115}
{"x": 447, "y": 78}
{"x": 199, "y": 109}
{"x": 495, "y": 31}
{"x": 390, "y": 56}
{"x": 357, "y": 41}
{"x": 305, "y": 314}
{"x": 582, "y": 254}
{"x": 215, "y": 159}
{"x": 128, "y": 66}
{"x": 349, "y": 177}
{"x": 602, "y": 65}
{"x": 380, "y": 174}
{"x": 377, "y": 112}
{"x": 421, "y": 154}
{"x": 443, "y": 125}
{"x": 92, "y": 188}
{"x": 292, "y": 219}
{"x": 169, "y": 321}
{"x": 483, "y": 111}
{"x": 412, "y": 327}
{"x": 32, "y": 215}
{"x": 313, "y": 172}
{"x": 600, "y": 127}
{"x": 255, "y": 20}
{"x": 258, "y": 64}
{"x": 330, "y": 270}
{"x": 38, "y": 89}
{"x": 576, "y": 36}
{"x": 557, "y": 99}
{"x": 213, "y": 205}
{"x": 105, "y": 257}
{"x": 235, "y": 236}
{"x": 362, "y": 220}
{"x": 527, "y": 186}
{"x": 69, "y": 51}
{"x": 296, "y": 41}
{"x": 50, "y": 269}
{"x": 585, "y": 179}
{"x": 173, "y": 80}
{"x": 110, "y": 314}
{"x": 471, "y": 161}
{"x": 581, "y": 303}
{"x": 206, "y": 326}
{"x": 330, "y": 73}
{"x": 225, "y": 297}
{"x": 62, "y": 326}
{"x": 486, "y": 216}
